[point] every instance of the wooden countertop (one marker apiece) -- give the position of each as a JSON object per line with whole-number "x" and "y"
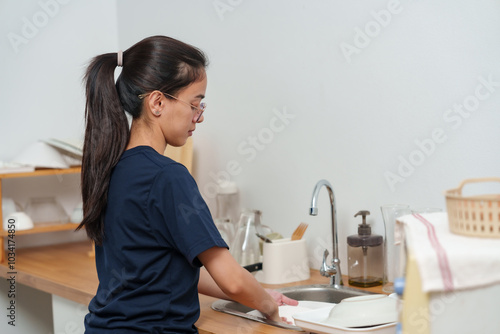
{"x": 66, "y": 270}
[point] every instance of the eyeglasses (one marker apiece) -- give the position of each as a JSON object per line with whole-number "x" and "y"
{"x": 198, "y": 110}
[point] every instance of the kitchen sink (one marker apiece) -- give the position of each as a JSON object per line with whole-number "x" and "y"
{"x": 321, "y": 293}
{"x": 316, "y": 292}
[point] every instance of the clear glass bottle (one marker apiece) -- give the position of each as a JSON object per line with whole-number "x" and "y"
{"x": 365, "y": 252}
{"x": 245, "y": 247}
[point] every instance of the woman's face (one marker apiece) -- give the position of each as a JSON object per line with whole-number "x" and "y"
{"x": 180, "y": 118}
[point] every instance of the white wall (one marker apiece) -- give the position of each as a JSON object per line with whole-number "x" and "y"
{"x": 45, "y": 47}
{"x": 68, "y": 316}
{"x": 351, "y": 118}
{"x": 354, "y": 114}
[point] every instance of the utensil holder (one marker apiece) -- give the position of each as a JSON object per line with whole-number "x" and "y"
{"x": 285, "y": 261}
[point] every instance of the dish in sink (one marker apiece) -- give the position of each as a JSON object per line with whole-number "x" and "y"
{"x": 288, "y": 311}
{"x": 315, "y": 321}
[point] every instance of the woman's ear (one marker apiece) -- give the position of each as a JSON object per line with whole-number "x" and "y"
{"x": 155, "y": 103}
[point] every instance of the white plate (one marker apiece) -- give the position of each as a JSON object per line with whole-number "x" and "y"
{"x": 41, "y": 155}
{"x": 304, "y": 306}
{"x": 314, "y": 321}
{"x": 69, "y": 146}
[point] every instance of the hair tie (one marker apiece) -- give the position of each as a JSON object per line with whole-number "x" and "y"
{"x": 120, "y": 58}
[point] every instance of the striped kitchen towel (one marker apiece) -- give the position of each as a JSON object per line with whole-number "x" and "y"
{"x": 449, "y": 261}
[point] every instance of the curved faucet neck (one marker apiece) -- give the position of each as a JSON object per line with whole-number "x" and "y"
{"x": 314, "y": 212}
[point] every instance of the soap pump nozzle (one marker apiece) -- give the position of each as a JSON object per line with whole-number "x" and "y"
{"x": 364, "y": 228}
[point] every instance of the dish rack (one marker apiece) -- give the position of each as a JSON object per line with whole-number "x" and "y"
{"x": 477, "y": 216}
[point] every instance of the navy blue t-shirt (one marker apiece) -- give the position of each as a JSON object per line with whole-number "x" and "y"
{"x": 156, "y": 224}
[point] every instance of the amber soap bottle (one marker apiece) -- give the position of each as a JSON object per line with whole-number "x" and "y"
{"x": 365, "y": 252}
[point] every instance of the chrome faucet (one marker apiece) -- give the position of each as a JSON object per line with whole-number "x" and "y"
{"x": 332, "y": 271}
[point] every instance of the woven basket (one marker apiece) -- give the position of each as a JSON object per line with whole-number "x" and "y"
{"x": 477, "y": 216}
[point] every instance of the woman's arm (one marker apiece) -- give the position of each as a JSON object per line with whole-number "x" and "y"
{"x": 207, "y": 286}
{"x": 234, "y": 282}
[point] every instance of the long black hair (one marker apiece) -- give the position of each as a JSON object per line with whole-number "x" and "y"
{"x": 155, "y": 63}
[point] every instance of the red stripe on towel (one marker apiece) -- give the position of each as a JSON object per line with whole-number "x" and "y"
{"x": 444, "y": 265}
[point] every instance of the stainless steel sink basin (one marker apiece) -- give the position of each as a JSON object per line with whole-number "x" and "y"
{"x": 321, "y": 293}
{"x": 316, "y": 292}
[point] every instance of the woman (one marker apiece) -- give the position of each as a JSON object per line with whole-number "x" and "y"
{"x": 151, "y": 227}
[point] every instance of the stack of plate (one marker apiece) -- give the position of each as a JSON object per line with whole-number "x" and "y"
{"x": 363, "y": 314}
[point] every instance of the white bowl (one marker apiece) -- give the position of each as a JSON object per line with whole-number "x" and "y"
{"x": 363, "y": 311}
{"x": 17, "y": 221}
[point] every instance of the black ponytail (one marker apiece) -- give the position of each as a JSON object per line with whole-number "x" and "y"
{"x": 155, "y": 63}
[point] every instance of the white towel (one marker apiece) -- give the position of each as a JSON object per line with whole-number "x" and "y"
{"x": 449, "y": 261}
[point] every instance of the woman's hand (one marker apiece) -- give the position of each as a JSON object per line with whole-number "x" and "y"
{"x": 281, "y": 299}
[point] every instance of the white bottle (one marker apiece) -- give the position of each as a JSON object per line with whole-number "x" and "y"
{"x": 227, "y": 202}
{"x": 227, "y": 212}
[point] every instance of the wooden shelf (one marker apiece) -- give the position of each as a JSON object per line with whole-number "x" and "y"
{"x": 39, "y": 228}
{"x": 43, "y": 228}
{"x": 42, "y": 172}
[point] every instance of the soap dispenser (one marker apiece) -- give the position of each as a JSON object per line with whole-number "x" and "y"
{"x": 365, "y": 252}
